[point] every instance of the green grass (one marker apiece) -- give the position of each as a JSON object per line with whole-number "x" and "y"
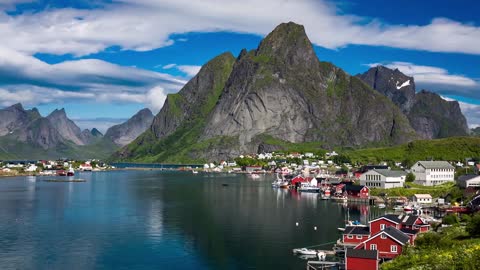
{"x": 455, "y": 148}
{"x": 437, "y": 191}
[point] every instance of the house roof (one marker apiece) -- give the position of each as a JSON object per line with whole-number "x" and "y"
{"x": 397, "y": 234}
{"x": 468, "y": 177}
{"x": 361, "y": 253}
{"x": 364, "y": 230}
{"x": 400, "y": 219}
{"x": 390, "y": 173}
{"x": 436, "y": 165}
{"x": 409, "y": 231}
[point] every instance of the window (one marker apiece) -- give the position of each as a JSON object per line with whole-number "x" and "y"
{"x": 382, "y": 226}
{"x": 373, "y": 246}
{"x": 359, "y": 237}
{"x": 393, "y": 248}
{"x": 383, "y": 236}
{"x": 350, "y": 236}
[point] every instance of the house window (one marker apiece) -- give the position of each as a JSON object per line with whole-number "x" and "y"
{"x": 382, "y": 226}
{"x": 393, "y": 248}
{"x": 350, "y": 236}
{"x": 373, "y": 246}
{"x": 359, "y": 237}
{"x": 383, "y": 236}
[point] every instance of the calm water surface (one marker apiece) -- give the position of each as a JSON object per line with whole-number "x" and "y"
{"x": 161, "y": 220}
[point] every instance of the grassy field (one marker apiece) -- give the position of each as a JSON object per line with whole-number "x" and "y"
{"x": 437, "y": 191}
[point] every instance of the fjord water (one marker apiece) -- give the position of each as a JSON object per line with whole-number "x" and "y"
{"x": 160, "y": 220}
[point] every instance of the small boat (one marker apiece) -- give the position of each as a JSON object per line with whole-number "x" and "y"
{"x": 254, "y": 176}
{"x": 408, "y": 208}
{"x": 280, "y": 183}
{"x": 308, "y": 188}
{"x": 70, "y": 172}
{"x": 194, "y": 172}
{"x": 304, "y": 251}
{"x": 61, "y": 173}
{"x": 382, "y": 205}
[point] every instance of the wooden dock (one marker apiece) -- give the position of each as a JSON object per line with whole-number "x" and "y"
{"x": 320, "y": 265}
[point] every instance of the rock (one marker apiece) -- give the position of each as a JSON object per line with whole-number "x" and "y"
{"x": 128, "y": 131}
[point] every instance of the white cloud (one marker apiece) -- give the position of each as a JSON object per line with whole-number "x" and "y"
{"x": 472, "y": 113}
{"x": 169, "y": 66}
{"x": 147, "y": 24}
{"x": 155, "y": 99}
{"x": 190, "y": 71}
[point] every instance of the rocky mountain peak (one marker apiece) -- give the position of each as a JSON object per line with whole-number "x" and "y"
{"x": 17, "y": 106}
{"x": 96, "y": 133}
{"x": 392, "y": 83}
{"x": 289, "y": 43}
{"x": 128, "y": 131}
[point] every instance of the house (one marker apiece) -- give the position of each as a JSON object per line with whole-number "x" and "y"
{"x": 31, "y": 168}
{"x": 383, "y": 178}
{"x": 356, "y": 191}
{"x": 367, "y": 168}
{"x": 85, "y": 167}
{"x": 422, "y": 198}
{"x": 354, "y": 235}
{"x": 389, "y": 242}
{"x": 398, "y": 221}
{"x": 361, "y": 259}
{"x": 431, "y": 173}
{"x": 469, "y": 180}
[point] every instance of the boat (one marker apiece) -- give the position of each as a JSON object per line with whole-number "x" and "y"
{"x": 254, "y": 176}
{"x": 326, "y": 194}
{"x": 70, "y": 172}
{"x": 382, "y": 205}
{"x": 304, "y": 251}
{"x": 61, "y": 173}
{"x": 280, "y": 183}
{"x": 194, "y": 172}
{"x": 305, "y": 187}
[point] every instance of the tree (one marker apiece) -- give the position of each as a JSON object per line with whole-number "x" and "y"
{"x": 410, "y": 177}
{"x": 450, "y": 219}
{"x": 473, "y": 226}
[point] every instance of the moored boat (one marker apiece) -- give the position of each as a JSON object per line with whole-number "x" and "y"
{"x": 70, "y": 172}
{"x": 304, "y": 251}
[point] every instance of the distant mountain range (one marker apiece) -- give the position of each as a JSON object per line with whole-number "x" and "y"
{"x": 25, "y": 134}
{"x": 281, "y": 95}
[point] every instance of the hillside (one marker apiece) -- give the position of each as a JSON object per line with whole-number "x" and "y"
{"x": 455, "y": 148}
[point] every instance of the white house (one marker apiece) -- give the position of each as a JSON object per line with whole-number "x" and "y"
{"x": 383, "y": 178}
{"x": 31, "y": 168}
{"x": 471, "y": 180}
{"x": 422, "y": 198}
{"x": 431, "y": 173}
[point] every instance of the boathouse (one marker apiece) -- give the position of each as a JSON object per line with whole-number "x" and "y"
{"x": 361, "y": 259}
{"x": 356, "y": 191}
{"x": 389, "y": 243}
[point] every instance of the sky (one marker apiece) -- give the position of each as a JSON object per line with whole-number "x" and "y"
{"x": 104, "y": 60}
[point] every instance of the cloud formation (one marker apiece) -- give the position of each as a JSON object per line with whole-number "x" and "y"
{"x": 151, "y": 22}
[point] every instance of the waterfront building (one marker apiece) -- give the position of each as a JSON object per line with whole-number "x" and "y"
{"x": 469, "y": 180}
{"x": 389, "y": 242}
{"x": 422, "y": 198}
{"x": 361, "y": 259}
{"x": 383, "y": 178}
{"x": 431, "y": 173}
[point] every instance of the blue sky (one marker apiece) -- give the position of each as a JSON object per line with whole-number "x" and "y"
{"x": 105, "y": 60}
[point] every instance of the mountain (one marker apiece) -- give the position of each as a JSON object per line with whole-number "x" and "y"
{"x": 25, "y": 134}
{"x": 15, "y": 117}
{"x": 475, "y": 131}
{"x": 128, "y": 131}
{"x": 267, "y": 98}
{"x": 429, "y": 114}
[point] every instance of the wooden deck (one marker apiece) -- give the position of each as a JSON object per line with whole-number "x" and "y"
{"x": 320, "y": 265}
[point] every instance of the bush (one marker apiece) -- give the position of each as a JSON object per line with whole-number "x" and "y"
{"x": 473, "y": 226}
{"x": 410, "y": 177}
{"x": 450, "y": 219}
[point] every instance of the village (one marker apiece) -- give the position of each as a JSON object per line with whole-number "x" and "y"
{"x": 51, "y": 167}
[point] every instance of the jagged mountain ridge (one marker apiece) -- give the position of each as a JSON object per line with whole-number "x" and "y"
{"x": 278, "y": 92}
{"x": 25, "y": 134}
{"x": 128, "y": 131}
{"x": 429, "y": 114}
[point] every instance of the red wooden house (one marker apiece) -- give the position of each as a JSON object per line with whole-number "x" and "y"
{"x": 356, "y": 191}
{"x": 389, "y": 243}
{"x": 361, "y": 259}
{"x": 354, "y": 235}
{"x": 398, "y": 221}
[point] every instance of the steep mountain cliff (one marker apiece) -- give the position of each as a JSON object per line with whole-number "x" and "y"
{"x": 15, "y": 117}
{"x": 128, "y": 131}
{"x": 430, "y": 115}
{"x": 67, "y": 128}
{"x": 278, "y": 94}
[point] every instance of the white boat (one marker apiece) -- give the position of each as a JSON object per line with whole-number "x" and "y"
{"x": 254, "y": 176}
{"x": 306, "y": 187}
{"x": 304, "y": 251}
{"x": 194, "y": 172}
{"x": 280, "y": 183}
{"x": 382, "y": 205}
